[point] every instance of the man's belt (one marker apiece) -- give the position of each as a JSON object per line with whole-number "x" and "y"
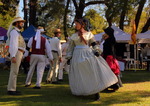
{"x": 21, "y": 50}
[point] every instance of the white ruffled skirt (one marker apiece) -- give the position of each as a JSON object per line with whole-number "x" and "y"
{"x": 89, "y": 74}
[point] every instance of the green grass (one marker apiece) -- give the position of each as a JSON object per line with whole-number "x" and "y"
{"x": 135, "y": 92}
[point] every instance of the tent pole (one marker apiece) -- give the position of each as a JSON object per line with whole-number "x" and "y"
{"x": 137, "y": 59}
{"x": 135, "y": 55}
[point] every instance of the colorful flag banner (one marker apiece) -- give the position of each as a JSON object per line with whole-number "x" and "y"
{"x": 133, "y": 34}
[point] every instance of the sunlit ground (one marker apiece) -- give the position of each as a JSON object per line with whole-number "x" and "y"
{"x": 135, "y": 92}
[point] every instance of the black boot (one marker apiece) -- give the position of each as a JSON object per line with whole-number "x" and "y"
{"x": 97, "y": 97}
{"x": 115, "y": 87}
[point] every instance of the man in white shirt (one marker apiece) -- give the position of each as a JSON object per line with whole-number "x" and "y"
{"x": 16, "y": 49}
{"x": 40, "y": 46}
{"x": 63, "y": 64}
{"x": 57, "y": 54}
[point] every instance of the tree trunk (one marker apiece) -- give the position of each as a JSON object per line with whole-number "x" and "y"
{"x": 109, "y": 20}
{"x": 107, "y": 14}
{"x": 139, "y": 12}
{"x": 25, "y": 14}
{"x": 123, "y": 13}
{"x": 32, "y": 14}
{"x": 65, "y": 19}
{"x": 146, "y": 26}
{"x": 79, "y": 9}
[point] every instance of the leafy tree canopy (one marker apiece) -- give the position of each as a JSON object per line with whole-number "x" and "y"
{"x": 8, "y": 10}
{"x": 8, "y": 7}
{"x": 50, "y": 16}
{"x": 98, "y": 22}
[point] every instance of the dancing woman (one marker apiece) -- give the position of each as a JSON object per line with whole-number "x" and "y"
{"x": 89, "y": 73}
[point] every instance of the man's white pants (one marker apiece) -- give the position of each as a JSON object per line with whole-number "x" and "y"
{"x": 53, "y": 72}
{"x": 62, "y": 65}
{"x": 14, "y": 69}
{"x": 38, "y": 60}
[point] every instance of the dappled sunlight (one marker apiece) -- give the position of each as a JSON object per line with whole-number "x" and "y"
{"x": 55, "y": 85}
{"x": 95, "y": 102}
{"x": 123, "y": 97}
{"x": 21, "y": 96}
{"x": 135, "y": 86}
{"x": 135, "y": 77}
{"x": 130, "y": 93}
{"x": 11, "y": 103}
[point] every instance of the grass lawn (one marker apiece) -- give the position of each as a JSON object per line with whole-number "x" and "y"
{"x": 135, "y": 92}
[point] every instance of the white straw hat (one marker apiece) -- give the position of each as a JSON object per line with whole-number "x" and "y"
{"x": 18, "y": 19}
{"x": 57, "y": 30}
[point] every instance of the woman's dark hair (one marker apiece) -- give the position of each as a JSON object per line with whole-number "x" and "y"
{"x": 110, "y": 32}
{"x": 85, "y": 22}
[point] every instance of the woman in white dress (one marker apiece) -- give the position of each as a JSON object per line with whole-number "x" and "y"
{"x": 89, "y": 74}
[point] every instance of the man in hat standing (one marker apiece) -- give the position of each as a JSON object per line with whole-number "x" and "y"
{"x": 40, "y": 46}
{"x": 57, "y": 54}
{"x": 63, "y": 64}
{"x": 16, "y": 49}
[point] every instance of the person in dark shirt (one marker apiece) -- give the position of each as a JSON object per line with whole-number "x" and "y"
{"x": 109, "y": 55}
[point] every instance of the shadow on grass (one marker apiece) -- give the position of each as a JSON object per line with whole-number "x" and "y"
{"x": 51, "y": 95}
{"x": 133, "y": 77}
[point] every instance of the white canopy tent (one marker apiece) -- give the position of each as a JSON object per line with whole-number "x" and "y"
{"x": 1, "y": 37}
{"x": 120, "y": 35}
{"x": 98, "y": 37}
{"x": 144, "y": 37}
{"x": 123, "y": 37}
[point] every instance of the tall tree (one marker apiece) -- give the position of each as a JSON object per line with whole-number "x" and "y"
{"x": 98, "y": 23}
{"x": 146, "y": 26}
{"x": 9, "y": 6}
{"x": 123, "y": 13}
{"x": 139, "y": 12}
{"x": 80, "y": 6}
{"x": 25, "y": 2}
{"x": 116, "y": 11}
{"x": 51, "y": 15}
{"x": 32, "y": 13}
{"x": 65, "y": 18}
{"x": 8, "y": 10}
